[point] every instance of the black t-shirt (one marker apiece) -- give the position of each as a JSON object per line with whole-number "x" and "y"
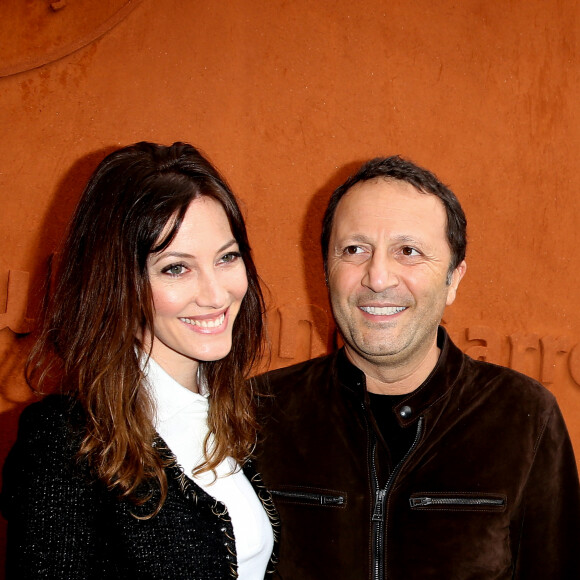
{"x": 398, "y": 439}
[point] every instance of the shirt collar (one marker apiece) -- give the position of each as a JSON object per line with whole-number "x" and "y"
{"x": 170, "y": 397}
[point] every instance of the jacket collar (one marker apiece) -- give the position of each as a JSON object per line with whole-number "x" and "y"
{"x": 435, "y": 387}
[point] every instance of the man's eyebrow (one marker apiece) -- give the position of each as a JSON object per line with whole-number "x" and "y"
{"x": 356, "y": 238}
{"x": 406, "y": 238}
{"x": 361, "y": 238}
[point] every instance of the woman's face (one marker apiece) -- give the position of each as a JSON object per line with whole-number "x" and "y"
{"x": 198, "y": 283}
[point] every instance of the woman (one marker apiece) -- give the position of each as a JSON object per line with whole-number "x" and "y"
{"x": 133, "y": 471}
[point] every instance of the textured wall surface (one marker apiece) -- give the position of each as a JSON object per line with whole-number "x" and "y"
{"x": 287, "y": 98}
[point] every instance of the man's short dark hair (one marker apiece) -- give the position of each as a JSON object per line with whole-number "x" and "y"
{"x": 396, "y": 168}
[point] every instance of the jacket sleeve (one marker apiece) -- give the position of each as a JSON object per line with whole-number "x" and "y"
{"x": 549, "y": 543}
{"x": 50, "y": 507}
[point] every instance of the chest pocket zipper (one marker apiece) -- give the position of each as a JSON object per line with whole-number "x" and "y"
{"x": 449, "y": 501}
{"x": 307, "y": 497}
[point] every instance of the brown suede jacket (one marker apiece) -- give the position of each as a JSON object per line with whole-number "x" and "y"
{"x": 489, "y": 489}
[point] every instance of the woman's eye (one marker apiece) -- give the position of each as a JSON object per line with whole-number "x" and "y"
{"x": 230, "y": 257}
{"x": 174, "y": 269}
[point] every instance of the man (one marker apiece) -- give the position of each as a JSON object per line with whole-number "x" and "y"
{"x": 398, "y": 457}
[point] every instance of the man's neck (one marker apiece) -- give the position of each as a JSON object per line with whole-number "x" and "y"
{"x": 385, "y": 379}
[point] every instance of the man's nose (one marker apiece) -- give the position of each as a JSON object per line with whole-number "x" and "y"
{"x": 380, "y": 273}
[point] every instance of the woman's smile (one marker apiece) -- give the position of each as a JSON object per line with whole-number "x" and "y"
{"x": 207, "y": 324}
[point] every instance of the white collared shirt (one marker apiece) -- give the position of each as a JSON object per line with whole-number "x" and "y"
{"x": 181, "y": 420}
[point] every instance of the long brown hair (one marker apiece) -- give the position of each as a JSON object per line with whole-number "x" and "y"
{"x": 102, "y": 303}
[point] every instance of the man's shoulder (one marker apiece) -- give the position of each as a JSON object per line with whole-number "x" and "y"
{"x": 298, "y": 373}
{"x": 510, "y": 383}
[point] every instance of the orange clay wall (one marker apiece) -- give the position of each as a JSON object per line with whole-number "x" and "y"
{"x": 287, "y": 98}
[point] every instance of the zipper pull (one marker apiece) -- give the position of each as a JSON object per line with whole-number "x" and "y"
{"x": 379, "y": 511}
{"x": 419, "y": 501}
{"x": 331, "y": 500}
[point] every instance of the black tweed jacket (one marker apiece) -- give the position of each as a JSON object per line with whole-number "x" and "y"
{"x": 61, "y": 524}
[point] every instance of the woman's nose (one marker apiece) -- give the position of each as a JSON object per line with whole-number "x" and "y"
{"x": 210, "y": 291}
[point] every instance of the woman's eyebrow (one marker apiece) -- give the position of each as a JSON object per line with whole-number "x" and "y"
{"x": 185, "y": 255}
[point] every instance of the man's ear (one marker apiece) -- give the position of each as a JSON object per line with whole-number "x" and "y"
{"x": 456, "y": 277}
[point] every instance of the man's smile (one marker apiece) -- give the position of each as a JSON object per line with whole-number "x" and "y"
{"x": 382, "y": 310}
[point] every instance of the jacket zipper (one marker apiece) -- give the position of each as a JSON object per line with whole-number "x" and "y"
{"x": 483, "y": 501}
{"x": 318, "y": 498}
{"x": 381, "y": 495}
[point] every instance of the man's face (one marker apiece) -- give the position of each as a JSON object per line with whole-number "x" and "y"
{"x": 388, "y": 263}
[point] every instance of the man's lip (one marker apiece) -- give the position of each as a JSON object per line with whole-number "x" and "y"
{"x": 382, "y": 309}
{"x": 381, "y": 305}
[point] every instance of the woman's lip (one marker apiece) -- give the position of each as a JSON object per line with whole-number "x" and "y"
{"x": 207, "y": 323}
{"x": 208, "y": 316}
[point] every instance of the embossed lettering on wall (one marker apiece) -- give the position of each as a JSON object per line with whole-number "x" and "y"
{"x": 299, "y": 331}
{"x": 302, "y": 331}
{"x": 14, "y": 316}
{"x": 529, "y": 353}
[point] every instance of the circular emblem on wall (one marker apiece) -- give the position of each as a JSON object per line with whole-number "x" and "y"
{"x": 36, "y": 32}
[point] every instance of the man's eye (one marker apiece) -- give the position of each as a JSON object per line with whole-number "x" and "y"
{"x": 352, "y": 250}
{"x": 174, "y": 269}
{"x": 408, "y": 251}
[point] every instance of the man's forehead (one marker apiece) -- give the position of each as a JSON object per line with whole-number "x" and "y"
{"x": 387, "y": 183}
{"x": 389, "y": 198}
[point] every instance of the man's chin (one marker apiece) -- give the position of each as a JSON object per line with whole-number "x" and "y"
{"x": 376, "y": 354}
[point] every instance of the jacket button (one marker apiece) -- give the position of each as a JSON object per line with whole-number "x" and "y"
{"x": 405, "y": 412}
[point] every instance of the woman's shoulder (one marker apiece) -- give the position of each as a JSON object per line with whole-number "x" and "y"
{"x": 46, "y": 447}
{"x": 55, "y": 418}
